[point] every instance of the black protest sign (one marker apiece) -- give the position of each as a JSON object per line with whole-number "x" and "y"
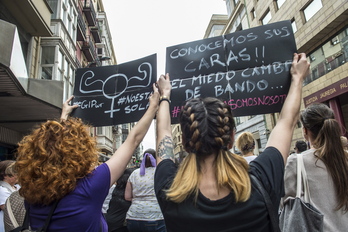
{"x": 248, "y": 69}
{"x": 116, "y": 94}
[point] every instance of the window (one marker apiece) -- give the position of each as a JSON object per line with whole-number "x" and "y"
{"x": 293, "y": 25}
{"x": 57, "y": 67}
{"x": 266, "y": 18}
{"x": 229, "y": 7}
{"x": 47, "y": 62}
{"x": 253, "y": 14}
{"x": 237, "y": 121}
{"x": 310, "y": 10}
{"x": 69, "y": 17}
{"x": 100, "y": 130}
{"x": 335, "y": 41}
{"x": 68, "y": 79}
{"x": 279, "y": 3}
{"x": 60, "y": 66}
{"x": 328, "y": 56}
{"x": 54, "y": 6}
{"x": 258, "y": 142}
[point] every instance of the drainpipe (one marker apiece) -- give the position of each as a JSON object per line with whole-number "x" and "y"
{"x": 37, "y": 58}
{"x": 246, "y": 9}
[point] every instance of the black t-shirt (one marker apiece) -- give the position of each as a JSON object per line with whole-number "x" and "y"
{"x": 224, "y": 214}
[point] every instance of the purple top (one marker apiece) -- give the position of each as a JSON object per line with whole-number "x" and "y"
{"x": 80, "y": 210}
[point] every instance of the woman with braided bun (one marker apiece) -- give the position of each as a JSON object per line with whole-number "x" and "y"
{"x": 246, "y": 145}
{"x": 326, "y": 165}
{"x": 212, "y": 190}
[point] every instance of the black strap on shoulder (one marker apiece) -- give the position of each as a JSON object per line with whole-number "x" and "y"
{"x": 47, "y": 222}
{"x": 272, "y": 214}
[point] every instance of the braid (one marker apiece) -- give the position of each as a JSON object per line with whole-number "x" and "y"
{"x": 206, "y": 125}
{"x": 194, "y": 143}
{"x": 206, "y": 130}
{"x": 224, "y": 127}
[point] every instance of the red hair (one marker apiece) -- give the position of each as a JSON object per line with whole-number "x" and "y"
{"x": 52, "y": 158}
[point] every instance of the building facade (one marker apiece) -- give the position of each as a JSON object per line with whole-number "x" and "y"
{"x": 52, "y": 39}
{"x": 321, "y": 31}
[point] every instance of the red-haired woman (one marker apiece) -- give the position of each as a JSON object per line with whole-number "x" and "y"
{"x": 57, "y": 162}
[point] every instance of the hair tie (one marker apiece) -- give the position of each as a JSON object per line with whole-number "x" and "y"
{"x": 224, "y": 148}
{"x": 193, "y": 151}
{"x": 249, "y": 146}
{"x": 142, "y": 166}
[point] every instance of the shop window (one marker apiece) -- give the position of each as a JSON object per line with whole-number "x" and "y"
{"x": 311, "y": 9}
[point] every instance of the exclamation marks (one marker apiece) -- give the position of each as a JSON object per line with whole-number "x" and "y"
{"x": 260, "y": 53}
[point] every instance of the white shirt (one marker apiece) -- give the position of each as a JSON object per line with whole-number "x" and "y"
{"x": 107, "y": 199}
{"x": 5, "y": 191}
{"x": 249, "y": 158}
{"x": 144, "y": 202}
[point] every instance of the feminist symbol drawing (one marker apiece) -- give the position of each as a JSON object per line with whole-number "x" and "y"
{"x": 112, "y": 87}
{"x": 111, "y": 92}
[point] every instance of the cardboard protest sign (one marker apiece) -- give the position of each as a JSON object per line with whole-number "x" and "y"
{"x": 248, "y": 69}
{"x": 116, "y": 94}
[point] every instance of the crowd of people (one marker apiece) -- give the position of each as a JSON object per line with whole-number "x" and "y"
{"x": 57, "y": 184}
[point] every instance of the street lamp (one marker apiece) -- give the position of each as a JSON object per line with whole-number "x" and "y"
{"x": 93, "y": 63}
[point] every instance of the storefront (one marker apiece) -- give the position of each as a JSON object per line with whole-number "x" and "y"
{"x": 336, "y": 97}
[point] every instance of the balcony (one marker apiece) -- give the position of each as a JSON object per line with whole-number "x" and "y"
{"x": 89, "y": 50}
{"x": 96, "y": 33}
{"x": 81, "y": 28}
{"x": 90, "y": 14}
{"x": 33, "y": 15}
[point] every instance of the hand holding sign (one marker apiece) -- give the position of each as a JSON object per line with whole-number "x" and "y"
{"x": 248, "y": 69}
{"x": 164, "y": 86}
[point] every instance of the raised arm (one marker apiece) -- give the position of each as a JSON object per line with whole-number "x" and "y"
{"x": 67, "y": 109}
{"x": 118, "y": 162}
{"x": 164, "y": 142}
{"x": 281, "y": 135}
